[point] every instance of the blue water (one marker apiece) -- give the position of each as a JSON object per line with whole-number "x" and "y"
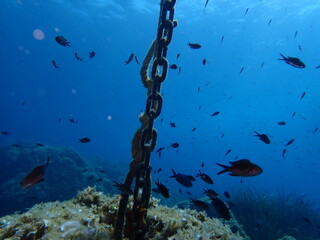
{"x": 102, "y": 87}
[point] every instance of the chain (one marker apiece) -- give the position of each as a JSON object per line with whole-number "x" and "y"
{"x": 147, "y": 135}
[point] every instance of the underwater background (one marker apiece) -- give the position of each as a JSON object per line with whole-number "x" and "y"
{"x": 103, "y": 97}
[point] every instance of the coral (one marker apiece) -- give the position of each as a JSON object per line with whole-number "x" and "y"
{"x": 91, "y": 216}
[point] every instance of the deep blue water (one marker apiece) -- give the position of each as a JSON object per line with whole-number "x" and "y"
{"x": 90, "y": 91}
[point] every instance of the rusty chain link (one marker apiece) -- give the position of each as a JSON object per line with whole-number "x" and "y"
{"x": 147, "y": 135}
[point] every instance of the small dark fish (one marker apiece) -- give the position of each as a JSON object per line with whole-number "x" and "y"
{"x": 222, "y": 135}
{"x": 303, "y": 94}
{"x": 84, "y": 140}
{"x": 202, "y": 164}
{"x": 178, "y": 55}
{"x": 4, "y": 133}
{"x": 174, "y": 145}
{"x": 193, "y": 129}
{"x": 241, "y": 70}
{"x": 221, "y": 208}
{"x": 198, "y": 90}
{"x": 295, "y": 62}
{"x": 295, "y": 34}
{"x": 77, "y": 57}
{"x": 123, "y": 188}
{"x": 204, "y": 177}
{"x": 269, "y": 22}
{"x": 204, "y": 61}
{"x": 207, "y": 1}
{"x": 163, "y": 190}
{"x": 184, "y": 180}
{"x": 172, "y": 124}
{"x": 227, "y": 194}
{"x": 290, "y": 142}
{"x": 160, "y": 149}
{"x": 35, "y": 176}
{"x": 263, "y": 137}
{"x": 23, "y": 103}
{"x": 130, "y": 58}
{"x": 293, "y": 114}
{"x": 199, "y": 107}
{"x": 318, "y": 66}
{"x": 227, "y": 152}
{"x": 200, "y": 204}
{"x": 242, "y": 168}
{"x": 62, "y": 41}
{"x": 159, "y": 170}
{"x": 55, "y": 64}
{"x": 307, "y": 220}
{"x": 315, "y": 130}
{"x": 92, "y": 54}
{"x": 73, "y": 120}
{"x": 179, "y": 70}
{"x": 40, "y": 144}
{"x": 300, "y": 48}
{"x": 99, "y": 179}
{"x": 214, "y": 114}
{"x": 16, "y": 145}
{"x": 102, "y": 171}
{"x": 189, "y": 193}
{"x": 194, "y": 45}
{"x": 284, "y": 154}
{"x": 136, "y": 58}
{"x": 59, "y": 120}
{"x": 85, "y": 170}
{"x": 173, "y": 66}
{"x": 180, "y": 191}
{"x": 246, "y": 11}
{"x": 222, "y": 38}
{"x": 210, "y": 193}
{"x": 262, "y": 64}
{"x": 282, "y": 123}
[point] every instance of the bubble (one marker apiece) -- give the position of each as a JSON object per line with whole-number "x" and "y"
{"x": 38, "y": 34}
{"x": 56, "y": 29}
{"x": 109, "y": 117}
{"x": 74, "y": 91}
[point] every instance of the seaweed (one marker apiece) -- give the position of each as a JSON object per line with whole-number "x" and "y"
{"x": 268, "y": 216}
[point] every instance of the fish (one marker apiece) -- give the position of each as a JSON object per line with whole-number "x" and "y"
{"x": 300, "y": 48}
{"x": 263, "y": 137}
{"x": 284, "y": 154}
{"x": 124, "y": 189}
{"x": 194, "y": 45}
{"x": 198, "y": 90}
{"x": 136, "y": 58}
{"x": 59, "y": 121}
{"x": 295, "y": 34}
{"x": 179, "y": 70}
{"x": 199, "y": 107}
{"x": 246, "y": 11}
{"x": 99, "y": 179}
{"x": 54, "y": 63}
{"x": 221, "y": 208}
{"x": 282, "y": 123}
{"x": 227, "y": 194}
{"x": 222, "y": 38}
{"x": 40, "y": 144}
{"x": 269, "y": 22}
{"x": 193, "y": 129}
{"x": 77, "y": 57}
{"x": 293, "y": 114}
{"x": 241, "y": 70}
{"x": 214, "y": 114}
{"x": 174, "y": 145}
{"x": 318, "y": 66}
{"x": 315, "y": 130}
{"x": 202, "y": 164}
{"x": 162, "y": 189}
{"x": 159, "y": 170}
{"x": 242, "y": 168}
{"x": 262, "y": 64}
{"x": 207, "y": 1}
{"x": 184, "y": 180}
{"x": 4, "y": 133}
{"x": 200, "y": 204}
{"x": 92, "y": 54}
{"x": 290, "y": 142}
{"x": 210, "y": 193}
{"x": 303, "y": 94}
{"x": 73, "y": 120}
{"x": 227, "y": 152}
{"x": 295, "y": 62}
{"x": 204, "y": 177}
{"x": 160, "y": 149}
{"x": 62, "y": 41}
{"x": 16, "y": 145}
{"x": 307, "y": 220}
{"x": 204, "y": 61}
{"x": 129, "y": 59}
{"x": 172, "y": 124}
{"x": 180, "y": 191}
{"x": 178, "y": 55}
{"x": 173, "y": 66}
{"x": 35, "y": 176}
{"x": 84, "y": 140}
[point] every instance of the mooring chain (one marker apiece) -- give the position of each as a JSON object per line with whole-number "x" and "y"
{"x": 146, "y": 135}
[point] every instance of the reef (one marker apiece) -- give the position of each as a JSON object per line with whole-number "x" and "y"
{"x": 91, "y": 215}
